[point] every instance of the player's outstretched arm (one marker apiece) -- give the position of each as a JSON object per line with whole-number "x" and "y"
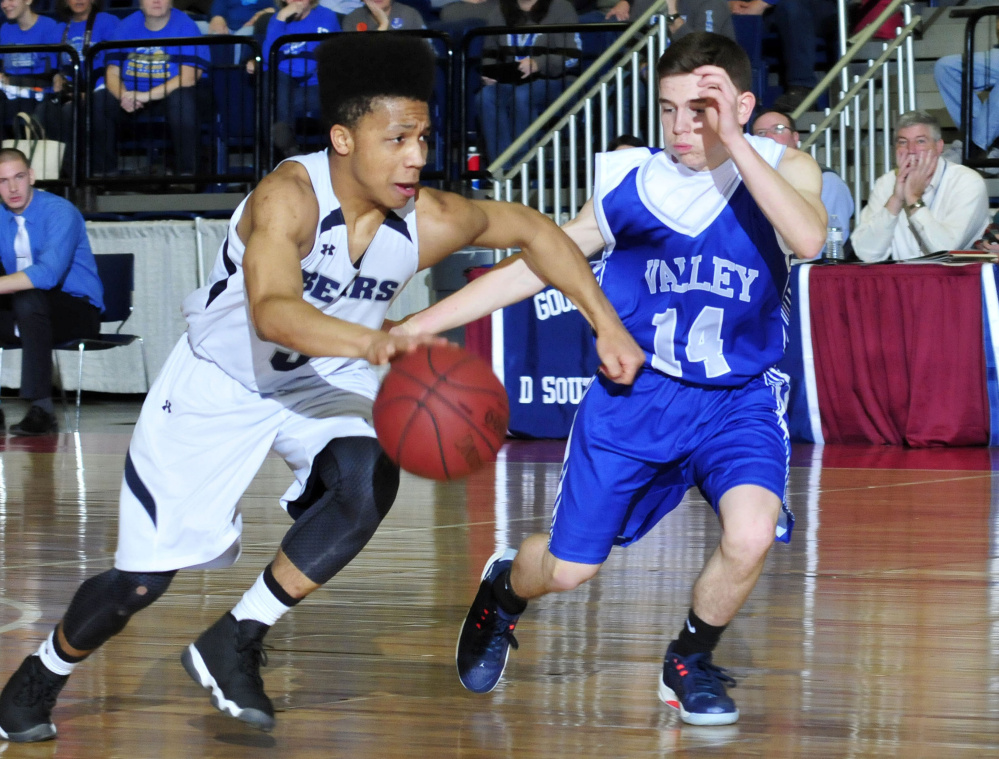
{"x": 278, "y": 226}
{"x": 789, "y": 196}
{"x": 508, "y": 282}
{"x": 451, "y": 222}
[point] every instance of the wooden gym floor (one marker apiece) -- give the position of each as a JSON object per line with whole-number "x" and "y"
{"x": 875, "y": 633}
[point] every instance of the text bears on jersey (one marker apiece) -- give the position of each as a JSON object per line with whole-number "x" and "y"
{"x": 555, "y": 389}
{"x": 327, "y": 290}
{"x": 681, "y": 281}
{"x": 550, "y": 303}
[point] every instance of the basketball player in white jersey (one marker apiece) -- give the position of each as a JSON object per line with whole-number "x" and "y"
{"x": 695, "y": 243}
{"x": 278, "y": 357}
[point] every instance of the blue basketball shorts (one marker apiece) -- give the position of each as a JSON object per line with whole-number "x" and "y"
{"x": 633, "y": 453}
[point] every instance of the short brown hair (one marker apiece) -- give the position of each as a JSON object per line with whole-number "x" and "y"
{"x": 707, "y": 49}
{"x": 13, "y": 154}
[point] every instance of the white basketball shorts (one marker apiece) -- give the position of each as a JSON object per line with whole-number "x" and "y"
{"x": 200, "y": 440}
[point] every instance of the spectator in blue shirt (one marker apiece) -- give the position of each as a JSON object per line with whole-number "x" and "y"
{"x": 156, "y": 78}
{"x": 86, "y": 25}
{"x": 297, "y": 91}
{"x": 49, "y": 288}
{"x": 27, "y": 78}
{"x": 245, "y": 17}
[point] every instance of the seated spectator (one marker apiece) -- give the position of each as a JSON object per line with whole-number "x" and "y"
{"x": 381, "y": 15}
{"x": 244, "y": 17}
{"x": 683, "y": 16}
{"x": 534, "y": 68}
{"x": 836, "y": 197}
{"x": 800, "y": 26}
{"x": 86, "y": 25}
{"x": 984, "y": 108}
{"x": 154, "y": 79}
{"x": 49, "y": 288}
{"x": 926, "y": 205}
{"x": 297, "y": 91}
{"x": 27, "y": 78}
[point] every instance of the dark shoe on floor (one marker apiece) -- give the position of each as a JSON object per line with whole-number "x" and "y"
{"x": 27, "y": 700}
{"x": 37, "y": 421}
{"x": 793, "y": 97}
{"x": 226, "y": 660}
{"x": 696, "y": 687}
{"x": 487, "y": 633}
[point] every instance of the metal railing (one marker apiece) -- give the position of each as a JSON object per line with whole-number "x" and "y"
{"x": 48, "y": 109}
{"x": 974, "y": 15}
{"x": 617, "y": 90}
{"x": 855, "y": 136}
{"x": 145, "y": 138}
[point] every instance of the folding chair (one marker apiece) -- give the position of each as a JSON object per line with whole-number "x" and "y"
{"x": 117, "y": 273}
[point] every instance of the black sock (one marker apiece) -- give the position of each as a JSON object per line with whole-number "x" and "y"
{"x": 697, "y": 636}
{"x": 509, "y": 601}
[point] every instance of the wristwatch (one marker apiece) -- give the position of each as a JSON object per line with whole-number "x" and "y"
{"x": 913, "y": 207}
{"x": 672, "y": 17}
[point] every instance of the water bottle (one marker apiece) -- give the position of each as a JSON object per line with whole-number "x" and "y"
{"x": 474, "y": 164}
{"x": 834, "y": 240}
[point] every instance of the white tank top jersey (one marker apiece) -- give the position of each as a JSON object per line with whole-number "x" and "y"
{"x": 218, "y": 319}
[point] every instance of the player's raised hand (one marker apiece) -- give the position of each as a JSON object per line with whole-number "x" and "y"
{"x": 620, "y": 357}
{"x": 722, "y": 100}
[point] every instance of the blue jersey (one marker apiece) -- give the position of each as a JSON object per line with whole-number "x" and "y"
{"x": 691, "y": 264}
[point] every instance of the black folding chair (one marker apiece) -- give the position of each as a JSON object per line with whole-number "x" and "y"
{"x": 117, "y": 273}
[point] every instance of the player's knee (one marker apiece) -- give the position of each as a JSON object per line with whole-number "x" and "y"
{"x": 357, "y": 486}
{"x": 567, "y": 575}
{"x": 103, "y": 605}
{"x": 750, "y": 541}
{"x": 356, "y": 470}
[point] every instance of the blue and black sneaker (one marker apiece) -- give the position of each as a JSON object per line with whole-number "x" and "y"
{"x": 696, "y": 687}
{"x": 487, "y": 633}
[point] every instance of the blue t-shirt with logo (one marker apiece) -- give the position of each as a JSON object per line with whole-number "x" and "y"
{"x": 44, "y": 31}
{"x": 147, "y": 66}
{"x": 295, "y": 58}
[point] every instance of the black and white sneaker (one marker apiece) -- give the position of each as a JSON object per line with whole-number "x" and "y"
{"x": 27, "y": 700}
{"x": 226, "y": 660}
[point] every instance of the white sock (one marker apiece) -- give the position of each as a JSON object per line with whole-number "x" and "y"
{"x": 258, "y": 603}
{"x": 52, "y": 661}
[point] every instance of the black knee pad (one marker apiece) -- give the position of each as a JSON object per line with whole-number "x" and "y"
{"x": 103, "y": 605}
{"x": 351, "y": 488}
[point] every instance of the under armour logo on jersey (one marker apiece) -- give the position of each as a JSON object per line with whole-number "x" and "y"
{"x": 167, "y": 407}
{"x": 327, "y": 249}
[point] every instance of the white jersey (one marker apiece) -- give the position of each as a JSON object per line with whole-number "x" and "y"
{"x": 218, "y": 319}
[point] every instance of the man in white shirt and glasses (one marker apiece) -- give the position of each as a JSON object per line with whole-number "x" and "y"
{"x": 926, "y": 205}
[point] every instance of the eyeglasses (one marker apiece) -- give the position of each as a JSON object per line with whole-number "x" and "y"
{"x": 775, "y": 130}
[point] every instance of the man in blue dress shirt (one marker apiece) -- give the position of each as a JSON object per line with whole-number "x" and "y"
{"x": 49, "y": 288}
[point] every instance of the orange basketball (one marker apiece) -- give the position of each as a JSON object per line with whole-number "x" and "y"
{"x": 441, "y": 413}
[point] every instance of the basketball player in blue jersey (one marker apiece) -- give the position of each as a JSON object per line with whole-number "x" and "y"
{"x": 278, "y": 357}
{"x": 695, "y": 244}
